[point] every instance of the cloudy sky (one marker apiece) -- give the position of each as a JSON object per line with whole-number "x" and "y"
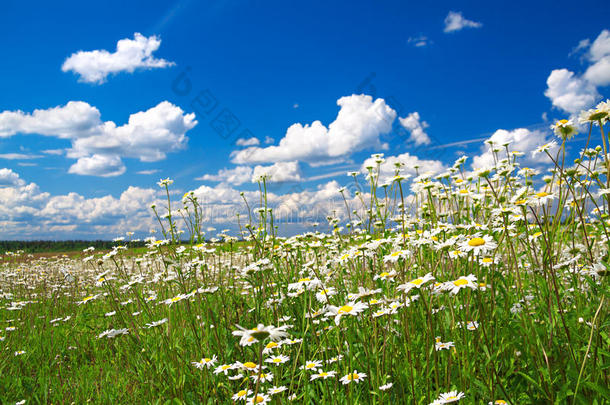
{"x": 99, "y": 102}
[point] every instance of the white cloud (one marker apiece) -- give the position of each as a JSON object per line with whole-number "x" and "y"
{"x": 26, "y": 212}
{"x": 455, "y": 21}
{"x": 520, "y": 140}
{"x": 358, "y": 125}
{"x": 130, "y": 54}
{"x": 248, "y": 142}
{"x": 18, "y": 156}
{"x": 269, "y": 140}
{"x": 599, "y": 54}
{"x": 419, "y": 41}
{"x": 415, "y": 126}
{"x": 279, "y": 172}
{"x": 411, "y": 165}
{"x": 10, "y": 178}
{"x": 148, "y": 135}
{"x": 236, "y": 176}
{"x": 98, "y": 165}
{"x": 569, "y": 92}
{"x": 147, "y": 172}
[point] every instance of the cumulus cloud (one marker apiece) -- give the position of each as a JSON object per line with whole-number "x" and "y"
{"x": 99, "y": 145}
{"x": 571, "y": 92}
{"x": 248, "y": 141}
{"x": 236, "y": 176}
{"x": 98, "y": 165}
{"x": 26, "y": 212}
{"x": 410, "y": 166}
{"x": 279, "y": 172}
{"x": 521, "y": 140}
{"x": 599, "y": 55}
{"x": 131, "y": 54}
{"x": 455, "y": 21}
{"x": 10, "y": 178}
{"x": 358, "y": 125}
{"x": 416, "y": 126}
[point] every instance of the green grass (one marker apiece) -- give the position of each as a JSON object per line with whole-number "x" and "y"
{"x": 520, "y": 307}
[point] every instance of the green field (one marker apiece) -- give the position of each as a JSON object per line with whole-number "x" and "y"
{"x": 483, "y": 287}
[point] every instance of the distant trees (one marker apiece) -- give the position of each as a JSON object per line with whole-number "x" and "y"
{"x": 34, "y": 246}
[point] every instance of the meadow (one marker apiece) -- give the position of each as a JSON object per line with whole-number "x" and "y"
{"x": 479, "y": 287}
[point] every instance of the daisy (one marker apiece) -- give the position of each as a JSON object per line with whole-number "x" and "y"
{"x": 541, "y": 198}
{"x": 205, "y": 362}
{"x": 241, "y": 395}
{"x": 385, "y": 275}
{"x": 395, "y": 256}
{"x": 224, "y": 368}
{"x": 312, "y": 365}
{"x": 263, "y": 377}
{"x": 261, "y": 332}
{"x": 451, "y": 396}
{"x": 464, "y": 281}
{"x": 440, "y": 345}
{"x": 351, "y": 308}
{"x": 415, "y": 283}
{"x": 323, "y": 374}
{"x": 259, "y": 399}
{"x": 353, "y": 376}
{"x": 269, "y": 347}
{"x": 477, "y": 244}
{"x": 276, "y": 390}
{"x": 386, "y": 387}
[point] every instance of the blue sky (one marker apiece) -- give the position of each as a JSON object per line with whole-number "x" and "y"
{"x": 455, "y": 72}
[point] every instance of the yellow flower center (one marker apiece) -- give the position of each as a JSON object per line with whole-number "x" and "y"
{"x": 345, "y": 309}
{"x": 520, "y": 202}
{"x": 417, "y": 281}
{"x": 323, "y": 374}
{"x": 241, "y": 393}
{"x": 384, "y": 274}
{"x": 460, "y": 282}
{"x": 271, "y": 345}
{"x": 353, "y": 376}
{"x": 542, "y": 194}
{"x": 476, "y": 242}
{"x": 302, "y": 280}
{"x": 249, "y": 364}
{"x": 394, "y": 254}
{"x": 487, "y": 260}
{"x": 310, "y": 365}
{"x": 277, "y": 360}
{"x": 206, "y": 359}
{"x": 258, "y": 399}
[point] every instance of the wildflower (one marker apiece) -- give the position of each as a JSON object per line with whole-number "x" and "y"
{"x": 165, "y": 182}
{"x": 415, "y": 283}
{"x": 241, "y": 395}
{"x": 541, "y": 198}
{"x": 205, "y": 362}
{"x": 451, "y": 396}
{"x": 224, "y": 368}
{"x": 353, "y": 376}
{"x": 157, "y": 323}
{"x": 564, "y": 129}
{"x": 464, "y": 281}
{"x": 323, "y": 374}
{"x": 441, "y": 346}
{"x": 276, "y": 390}
{"x": 19, "y": 352}
{"x": 478, "y": 244}
{"x": 277, "y": 360}
{"x": 385, "y": 275}
{"x": 386, "y": 387}
{"x": 312, "y": 365}
{"x": 264, "y": 377}
{"x": 261, "y": 332}
{"x": 351, "y": 308}
{"x": 259, "y": 399}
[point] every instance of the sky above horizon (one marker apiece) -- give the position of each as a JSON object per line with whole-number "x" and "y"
{"x": 100, "y": 101}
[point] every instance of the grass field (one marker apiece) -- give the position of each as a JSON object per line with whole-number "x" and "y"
{"x": 484, "y": 287}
